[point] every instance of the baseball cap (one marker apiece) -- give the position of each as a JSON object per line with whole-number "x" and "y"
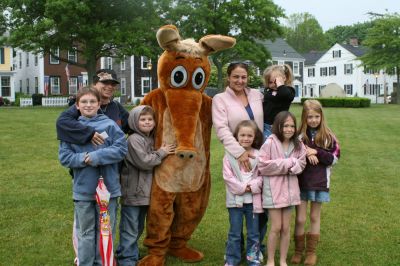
{"x": 104, "y": 75}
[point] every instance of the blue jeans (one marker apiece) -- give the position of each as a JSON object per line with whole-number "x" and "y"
{"x": 130, "y": 229}
{"x": 233, "y": 253}
{"x": 267, "y": 130}
{"x": 88, "y": 226}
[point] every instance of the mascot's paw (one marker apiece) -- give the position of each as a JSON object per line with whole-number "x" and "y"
{"x": 186, "y": 254}
{"x": 152, "y": 260}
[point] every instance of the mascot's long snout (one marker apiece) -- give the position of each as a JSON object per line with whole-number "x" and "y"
{"x": 184, "y": 106}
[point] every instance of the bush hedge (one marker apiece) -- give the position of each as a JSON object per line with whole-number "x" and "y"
{"x": 355, "y": 102}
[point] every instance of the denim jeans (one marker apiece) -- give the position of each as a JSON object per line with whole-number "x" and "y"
{"x": 233, "y": 254}
{"x": 130, "y": 229}
{"x": 267, "y": 130}
{"x": 88, "y": 226}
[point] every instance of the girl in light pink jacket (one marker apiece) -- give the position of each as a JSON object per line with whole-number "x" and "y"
{"x": 281, "y": 158}
{"x": 243, "y": 196}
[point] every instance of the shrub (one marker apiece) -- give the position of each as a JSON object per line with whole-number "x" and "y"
{"x": 18, "y": 96}
{"x": 353, "y": 102}
{"x": 37, "y": 99}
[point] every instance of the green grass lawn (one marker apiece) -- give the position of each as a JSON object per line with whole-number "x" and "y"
{"x": 359, "y": 227}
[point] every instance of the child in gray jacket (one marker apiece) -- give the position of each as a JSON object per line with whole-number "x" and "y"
{"x": 136, "y": 180}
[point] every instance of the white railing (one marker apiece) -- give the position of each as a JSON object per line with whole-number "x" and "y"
{"x": 23, "y": 102}
{"x": 54, "y": 101}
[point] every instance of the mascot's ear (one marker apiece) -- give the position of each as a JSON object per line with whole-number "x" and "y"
{"x": 215, "y": 43}
{"x": 168, "y": 37}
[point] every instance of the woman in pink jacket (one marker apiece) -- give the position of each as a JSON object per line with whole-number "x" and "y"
{"x": 229, "y": 108}
{"x": 282, "y": 157}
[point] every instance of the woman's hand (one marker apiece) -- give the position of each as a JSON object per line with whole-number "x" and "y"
{"x": 244, "y": 161}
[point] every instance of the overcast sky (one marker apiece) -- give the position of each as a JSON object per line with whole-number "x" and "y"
{"x": 339, "y": 12}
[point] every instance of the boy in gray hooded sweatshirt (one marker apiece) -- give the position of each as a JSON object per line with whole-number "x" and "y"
{"x": 136, "y": 180}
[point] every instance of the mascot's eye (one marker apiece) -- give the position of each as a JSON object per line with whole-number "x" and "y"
{"x": 198, "y": 78}
{"x": 178, "y": 76}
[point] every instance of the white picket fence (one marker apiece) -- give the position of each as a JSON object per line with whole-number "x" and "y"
{"x": 54, "y": 101}
{"x": 24, "y": 102}
{"x": 46, "y": 101}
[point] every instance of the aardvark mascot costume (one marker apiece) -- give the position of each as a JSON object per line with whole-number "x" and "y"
{"x": 181, "y": 184}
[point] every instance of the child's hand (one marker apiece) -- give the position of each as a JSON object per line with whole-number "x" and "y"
{"x": 168, "y": 148}
{"x": 97, "y": 139}
{"x": 311, "y": 151}
{"x": 87, "y": 159}
{"x": 313, "y": 159}
{"x": 279, "y": 81}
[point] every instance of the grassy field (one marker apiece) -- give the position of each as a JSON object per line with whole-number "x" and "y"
{"x": 359, "y": 227}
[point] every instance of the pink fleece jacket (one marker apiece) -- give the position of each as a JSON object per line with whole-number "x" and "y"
{"x": 280, "y": 184}
{"x": 228, "y": 112}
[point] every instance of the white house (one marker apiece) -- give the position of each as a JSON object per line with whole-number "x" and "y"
{"x": 341, "y": 65}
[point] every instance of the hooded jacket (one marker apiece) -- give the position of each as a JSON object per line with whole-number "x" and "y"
{"x": 137, "y": 169}
{"x": 104, "y": 159}
{"x": 236, "y": 186}
{"x": 280, "y": 184}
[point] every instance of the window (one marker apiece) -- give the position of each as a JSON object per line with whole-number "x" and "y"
{"x": 36, "y": 85}
{"x": 146, "y": 85}
{"x": 348, "y": 69}
{"x": 109, "y": 63}
{"x": 5, "y": 87}
{"x": 311, "y": 72}
{"x": 20, "y": 85}
{"x": 27, "y": 59}
{"x": 348, "y": 88}
{"x": 311, "y": 91}
{"x": 123, "y": 67}
{"x": 20, "y": 61}
{"x": 332, "y": 71}
{"x": 73, "y": 85}
{"x": 27, "y": 86}
{"x": 36, "y": 59}
{"x": 296, "y": 88}
{"x": 145, "y": 62}
{"x": 296, "y": 68}
{"x": 73, "y": 55}
{"x": 323, "y": 71}
{"x": 54, "y": 60}
{"x": 55, "y": 85}
{"x": 320, "y": 88}
{"x": 123, "y": 86}
{"x": 2, "y": 60}
{"x": 336, "y": 53}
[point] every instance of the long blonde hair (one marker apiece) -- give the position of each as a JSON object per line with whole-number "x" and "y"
{"x": 284, "y": 70}
{"x": 324, "y": 136}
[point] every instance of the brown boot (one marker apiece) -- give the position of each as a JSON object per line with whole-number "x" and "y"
{"x": 152, "y": 260}
{"x": 186, "y": 254}
{"x": 299, "y": 242}
{"x": 311, "y": 246}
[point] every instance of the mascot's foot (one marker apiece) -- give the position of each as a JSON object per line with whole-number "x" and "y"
{"x": 152, "y": 260}
{"x": 186, "y": 254}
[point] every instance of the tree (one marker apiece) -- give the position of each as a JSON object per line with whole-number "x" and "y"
{"x": 98, "y": 28}
{"x": 383, "y": 43}
{"x": 304, "y": 33}
{"x": 246, "y": 20}
{"x": 342, "y": 34}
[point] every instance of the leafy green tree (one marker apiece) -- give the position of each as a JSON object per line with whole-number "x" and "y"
{"x": 342, "y": 34}
{"x": 246, "y": 20}
{"x": 304, "y": 33}
{"x": 98, "y": 28}
{"x": 383, "y": 43}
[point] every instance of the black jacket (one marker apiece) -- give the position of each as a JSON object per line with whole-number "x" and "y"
{"x": 273, "y": 104}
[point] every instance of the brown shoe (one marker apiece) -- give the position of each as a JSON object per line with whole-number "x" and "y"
{"x": 299, "y": 242}
{"x": 311, "y": 246}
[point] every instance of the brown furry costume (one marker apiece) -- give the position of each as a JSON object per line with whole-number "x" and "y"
{"x": 181, "y": 184}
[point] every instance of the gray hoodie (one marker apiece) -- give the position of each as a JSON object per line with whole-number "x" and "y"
{"x": 137, "y": 169}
